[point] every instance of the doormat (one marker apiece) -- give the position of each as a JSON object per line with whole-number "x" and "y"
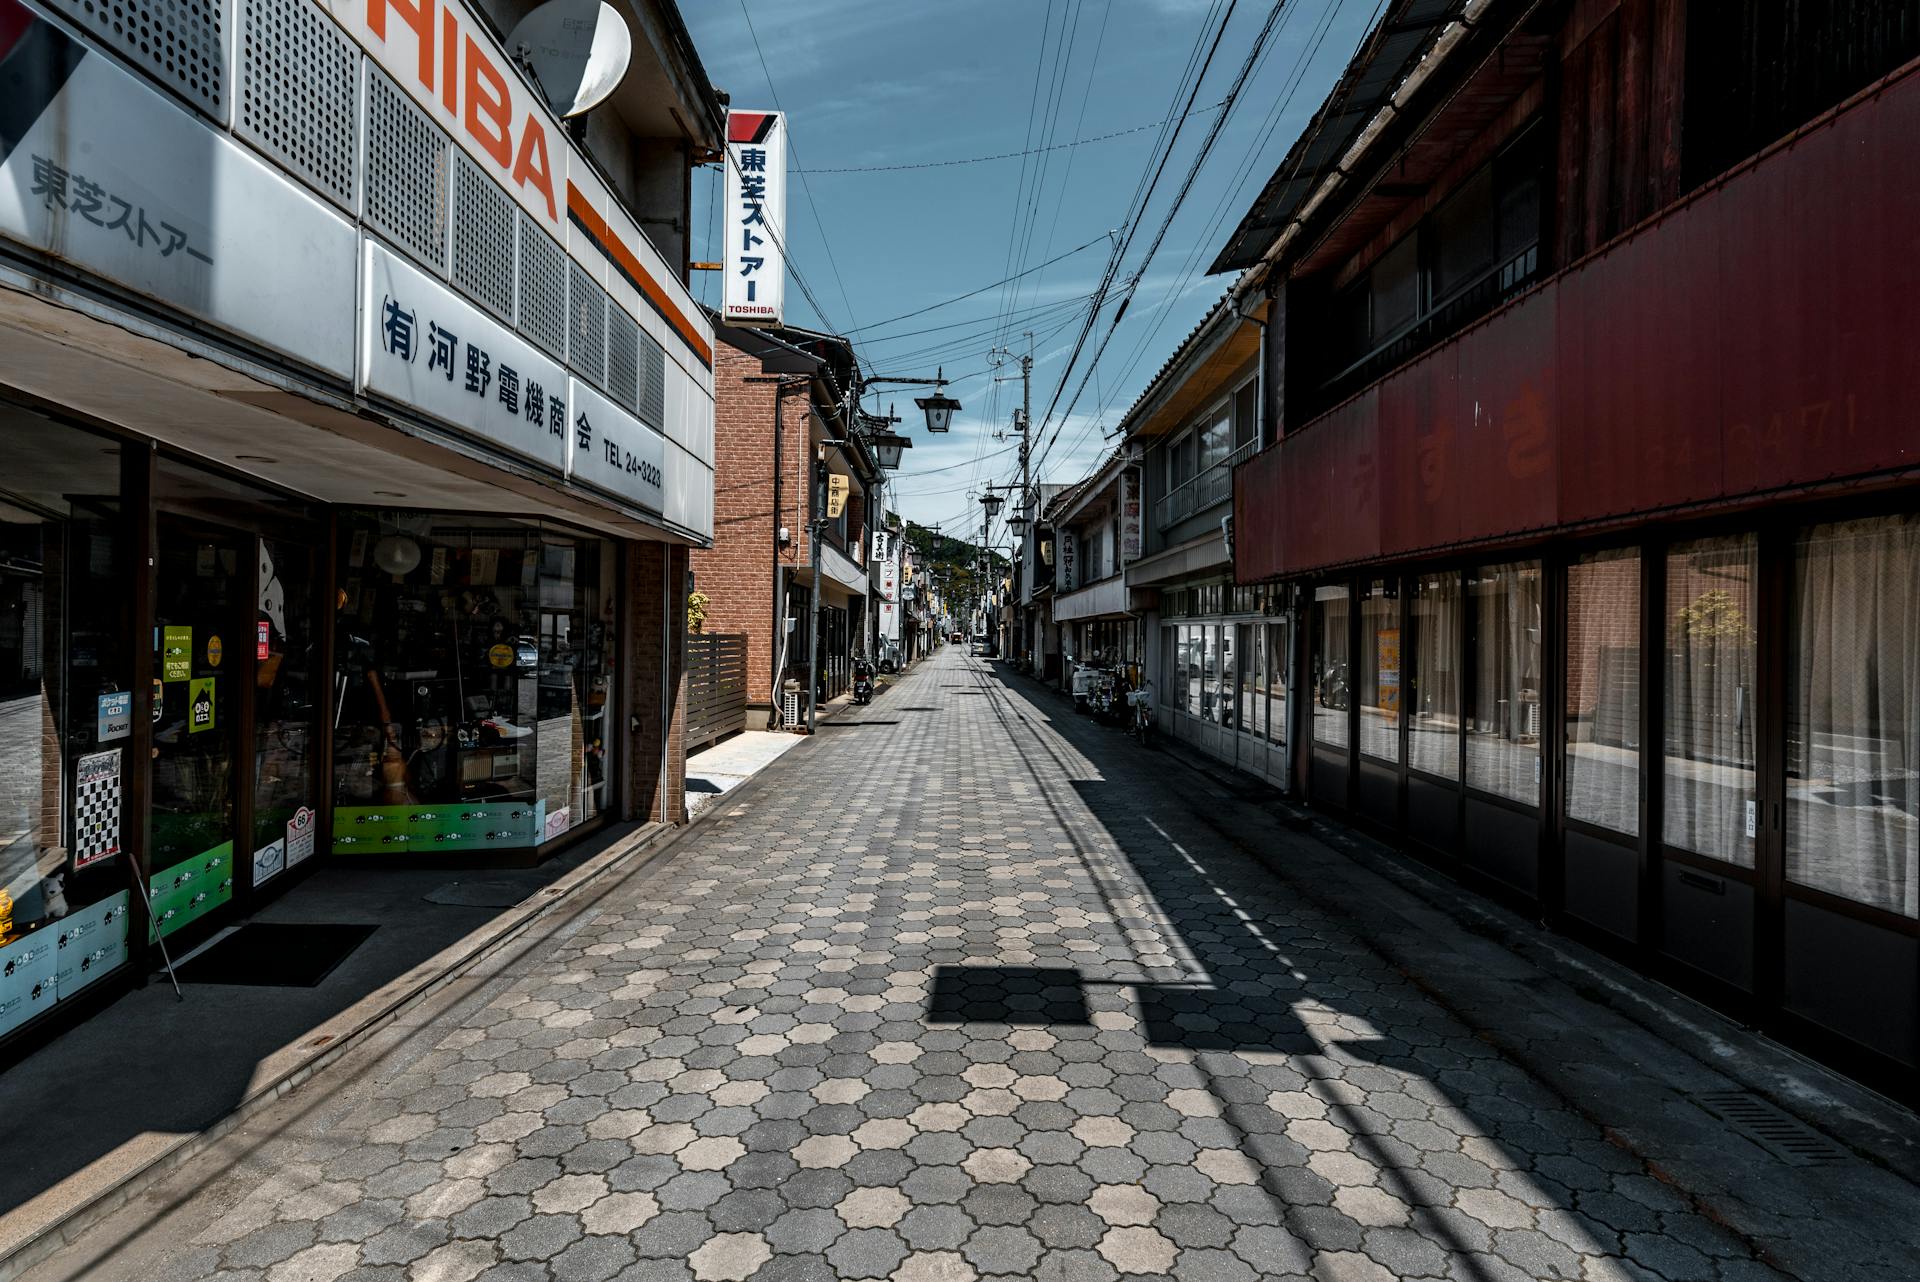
{"x": 275, "y": 954}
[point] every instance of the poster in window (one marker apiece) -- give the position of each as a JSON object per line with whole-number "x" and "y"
{"x": 1386, "y": 653}
{"x": 96, "y": 807}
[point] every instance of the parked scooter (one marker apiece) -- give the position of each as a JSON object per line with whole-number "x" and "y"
{"x": 862, "y": 681}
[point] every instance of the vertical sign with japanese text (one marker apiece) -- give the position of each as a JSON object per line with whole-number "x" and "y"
{"x": 1130, "y": 523}
{"x": 755, "y": 217}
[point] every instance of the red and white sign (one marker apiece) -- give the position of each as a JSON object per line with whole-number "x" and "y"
{"x": 755, "y": 216}
{"x": 262, "y": 644}
{"x": 445, "y": 60}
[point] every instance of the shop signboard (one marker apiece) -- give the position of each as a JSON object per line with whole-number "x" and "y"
{"x": 837, "y": 490}
{"x": 613, "y": 451}
{"x": 425, "y": 347}
{"x": 108, "y": 173}
{"x": 200, "y": 704}
{"x": 1130, "y": 503}
{"x": 1069, "y": 548}
{"x": 755, "y": 212}
{"x": 469, "y": 825}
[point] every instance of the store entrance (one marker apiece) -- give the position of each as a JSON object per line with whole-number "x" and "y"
{"x": 236, "y": 734}
{"x": 200, "y": 670}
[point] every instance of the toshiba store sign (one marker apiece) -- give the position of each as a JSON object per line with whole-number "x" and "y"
{"x": 446, "y": 61}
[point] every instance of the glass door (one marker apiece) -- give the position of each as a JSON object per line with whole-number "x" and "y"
{"x": 287, "y": 697}
{"x": 202, "y": 579}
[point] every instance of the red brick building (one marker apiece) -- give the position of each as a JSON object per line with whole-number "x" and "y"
{"x": 781, "y": 400}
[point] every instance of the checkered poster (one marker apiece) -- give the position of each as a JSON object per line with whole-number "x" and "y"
{"x": 96, "y": 808}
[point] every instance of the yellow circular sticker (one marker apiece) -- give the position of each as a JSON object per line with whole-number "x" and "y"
{"x": 214, "y": 651}
{"x": 501, "y": 655}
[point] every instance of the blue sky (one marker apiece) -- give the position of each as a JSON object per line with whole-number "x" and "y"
{"x": 905, "y": 82}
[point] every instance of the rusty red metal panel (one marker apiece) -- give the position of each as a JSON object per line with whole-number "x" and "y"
{"x": 1820, "y": 298}
{"x": 1639, "y": 402}
{"x": 1755, "y": 339}
{"x": 1258, "y": 533}
{"x": 1503, "y": 398}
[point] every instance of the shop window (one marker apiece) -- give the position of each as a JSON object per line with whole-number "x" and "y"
{"x": 1711, "y": 806}
{"x": 1277, "y": 644}
{"x": 1330, "y": 678}
{"x": 1379, "y": 667}
{"x": 1246, "y": 414}
{"x": 476, "y": 670}
{"x": 1226, "y": 691}
{"x": 1853, "y": 745}
{"x": 1603, "y": 690}
{"x": 1433, "y": 726}
{"x": 1252, "y": 649}
{"x": 66, "y": 715}
{"x": 1503, "y": 734}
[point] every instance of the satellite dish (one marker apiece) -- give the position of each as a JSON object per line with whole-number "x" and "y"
{"x": 577, "y": 50}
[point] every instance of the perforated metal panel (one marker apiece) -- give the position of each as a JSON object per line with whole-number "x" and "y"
{"x": 543, "y": 289}
{"x": 299, "y": 92}
{"x": 180, "y": 43}
{"x": 482, "y": 238}
{"x": 587, "y": 327}
{"x": 406, "y": 171}
{"x": 623, "y": 357}
{"x": 653, "y": 383}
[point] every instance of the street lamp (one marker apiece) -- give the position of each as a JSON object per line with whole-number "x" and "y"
{"x": 887, "y": 447}
{"x": 939, "y": 407}
{"x": 991, "y": 502}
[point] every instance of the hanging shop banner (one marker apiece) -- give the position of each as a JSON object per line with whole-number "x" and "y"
{"x": 96, "y": 807}
{"x": 613, "y": 451}
{"x": 104, "y": 171}
{"x": 423, "y": 346}
{"x": 176, "y": 653}
{"x": 837, "y": 488}
{"x": 1130, "y": 514}
{"x": 756, "y": 217}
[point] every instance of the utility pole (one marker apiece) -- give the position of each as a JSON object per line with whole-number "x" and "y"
{"x": 1023, "y": 424}
{"x": 818, "y": 524}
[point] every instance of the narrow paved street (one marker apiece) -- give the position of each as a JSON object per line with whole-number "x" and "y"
{"x": 967, "y": 988}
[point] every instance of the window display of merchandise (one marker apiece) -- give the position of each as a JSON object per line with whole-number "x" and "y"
{"x": 65, "y": 714}
{"x": 474, "y": 663}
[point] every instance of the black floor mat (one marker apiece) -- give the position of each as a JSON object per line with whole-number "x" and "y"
{"x": 274, "y": 954}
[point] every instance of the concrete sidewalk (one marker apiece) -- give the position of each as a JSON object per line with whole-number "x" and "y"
{"x": 715, "y": 771}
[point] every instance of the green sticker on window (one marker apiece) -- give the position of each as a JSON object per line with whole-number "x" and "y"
{"x": 176, "y": 653}
{"x": 200, "y": 705}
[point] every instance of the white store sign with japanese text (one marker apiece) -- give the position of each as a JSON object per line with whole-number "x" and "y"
{"x": 755, "y": 217}
{"x": 425, "y": 347}
{"x": 614, "y": 451}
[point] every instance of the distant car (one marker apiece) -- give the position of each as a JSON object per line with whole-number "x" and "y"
{"x": 982, "y": 648}
{"x": 956, "y": 638}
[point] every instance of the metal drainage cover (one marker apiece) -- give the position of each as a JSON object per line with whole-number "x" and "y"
{"x": 1784, "y": 1136}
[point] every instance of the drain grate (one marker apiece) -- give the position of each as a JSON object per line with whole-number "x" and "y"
{"x": 1784, "y": 1136}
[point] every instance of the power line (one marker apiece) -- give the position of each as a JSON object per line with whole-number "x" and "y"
{"x": 972, "y": 293}
{"x": 1004, "y": 155}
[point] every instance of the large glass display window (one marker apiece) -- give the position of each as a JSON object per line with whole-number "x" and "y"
{"x": 1330, "y": 675}
{"x": 1603, "y": 690}
{"x": 1433, "y": 728}
{"x": 1503, "y": 734}
{"x": 1379, "y": 686}
{"x": 1853, "y": 740}
{"x": 1711, "y": 772}
{"x": 66, "y": 714}
{"x": 474, "y": 668}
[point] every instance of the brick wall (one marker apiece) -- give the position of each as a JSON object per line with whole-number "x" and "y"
{"x": 736, "y": 573}
{"x": 655, "y": 647}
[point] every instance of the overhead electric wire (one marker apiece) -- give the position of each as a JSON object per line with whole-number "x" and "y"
{"x": 1005, "y": 155}
{"x": 972, "y": 293}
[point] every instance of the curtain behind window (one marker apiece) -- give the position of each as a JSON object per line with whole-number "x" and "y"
{"x": 1854, "y": 733}
{"x": 1434, "y": 736}
{"x": 1711, "y": 606}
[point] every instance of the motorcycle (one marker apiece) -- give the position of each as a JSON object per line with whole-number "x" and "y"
{"x": 863, "y": 682}
{"x": 1141, "y": 701}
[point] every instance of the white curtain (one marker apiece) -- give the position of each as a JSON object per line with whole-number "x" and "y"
{"x": 1854, "y": 737}
{"x": 1503, "y": 741}
{"x": 1710, "y": 624}
{"x": 1603, "y": 690}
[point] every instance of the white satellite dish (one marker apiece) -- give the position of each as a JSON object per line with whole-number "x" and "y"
{"x": 578, "y": 51}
